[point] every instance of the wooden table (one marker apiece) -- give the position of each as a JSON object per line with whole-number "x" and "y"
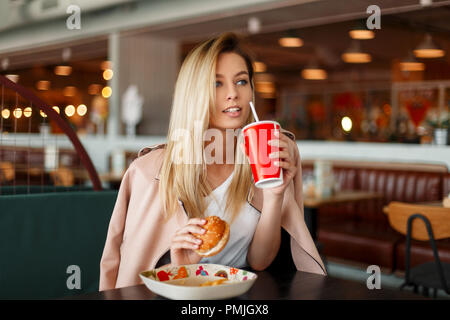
{"x": 291, "y": 285}
{"x": 312, "y": 205}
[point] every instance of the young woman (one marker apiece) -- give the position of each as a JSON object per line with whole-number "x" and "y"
{"x": 170, "y": 188}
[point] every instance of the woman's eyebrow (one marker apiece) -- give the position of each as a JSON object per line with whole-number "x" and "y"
{"x": 218, "y": 75}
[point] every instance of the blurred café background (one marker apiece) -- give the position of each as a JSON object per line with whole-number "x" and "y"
{"x": 366, "y": 96}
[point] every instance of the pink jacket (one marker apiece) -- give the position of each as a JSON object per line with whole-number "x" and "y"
{"x": 138, "y": 236}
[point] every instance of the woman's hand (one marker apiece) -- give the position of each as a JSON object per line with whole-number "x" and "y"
{"x": 288, "y": 162}
{"x": 184, "y": 243}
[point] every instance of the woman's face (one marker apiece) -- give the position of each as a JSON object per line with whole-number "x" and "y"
{"x": 233, "y": 90}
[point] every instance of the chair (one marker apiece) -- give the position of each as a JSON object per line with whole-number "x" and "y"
{"x": 436, "y": 225}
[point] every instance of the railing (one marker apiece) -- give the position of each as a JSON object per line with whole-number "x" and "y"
{"x": 60, "y": 175}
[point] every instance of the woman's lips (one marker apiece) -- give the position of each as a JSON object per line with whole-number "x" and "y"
{"x": 234, "y": 114}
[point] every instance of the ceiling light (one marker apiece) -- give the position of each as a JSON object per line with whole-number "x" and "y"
{"x": 260, "y": 66}
{"x": 265, "y": 87}
{"x": 69, "y": 110}
{"x": 63, "y": 70}
{"x": 43, "y": 85}
{"x": 94, "y": 89}
{"x": 290, "y": 39}
{"x": 17, "y": 113}
{"x": 6, "y": 113}
{"x": 291, "y": 42}
{"x": 81, "y": 110}
{"x": 106, "y": 65}
{"x": 69, "y": 91}
{"x": 106, "y": 92}
{"x": 27, "y": 112}
{"x": 354, "y": 54}
{"x": 427, "y": 49}
{"x": 108, "y": 74}
{"x": 411, "y": 64}
{"x": 265, "y": 84}
{"x": 360, "y": 32}
{"x": 314, "y": 74}
{"x": 56, "y": 108}
{"x": 346, "y": 124}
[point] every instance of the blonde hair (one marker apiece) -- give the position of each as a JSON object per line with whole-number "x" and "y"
{"x": 194, "y": 101}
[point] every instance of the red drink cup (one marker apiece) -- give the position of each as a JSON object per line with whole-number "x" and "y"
{"x": 256, "y": 136}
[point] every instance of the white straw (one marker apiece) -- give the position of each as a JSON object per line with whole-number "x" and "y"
{"x": 254, "y": 111}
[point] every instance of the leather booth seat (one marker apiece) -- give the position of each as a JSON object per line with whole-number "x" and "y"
{"x": 360, "y": 231}
{"x": 421, "y": 252}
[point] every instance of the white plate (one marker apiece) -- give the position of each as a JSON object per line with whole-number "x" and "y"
{"x": 183, "y": 282}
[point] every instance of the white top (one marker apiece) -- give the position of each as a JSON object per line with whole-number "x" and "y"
{"x": 241, "y": 231}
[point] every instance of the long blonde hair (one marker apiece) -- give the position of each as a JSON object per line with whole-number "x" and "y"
{"x": 194, "y": 101}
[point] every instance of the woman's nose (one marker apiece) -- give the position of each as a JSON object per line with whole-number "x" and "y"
{"x": 232, "y": 93}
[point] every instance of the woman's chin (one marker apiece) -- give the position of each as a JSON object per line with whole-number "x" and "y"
{"x": 231, "y": 126}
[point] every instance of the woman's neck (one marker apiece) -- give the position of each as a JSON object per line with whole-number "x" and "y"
{"x": 220, "y": 151}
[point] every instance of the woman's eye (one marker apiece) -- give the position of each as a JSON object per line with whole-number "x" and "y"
{"x": 242, "y": 82}
{"x": 218, "y": 84}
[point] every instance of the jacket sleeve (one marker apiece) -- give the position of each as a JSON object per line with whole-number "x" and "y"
{"x": 304, "y": 251}
{"x": 109, "y": 264}
{"x": 298, "y": 184}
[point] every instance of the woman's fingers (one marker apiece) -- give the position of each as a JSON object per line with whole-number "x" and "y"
{"x": 282, "y": 144}
{"x": 193, "y": 226}
{"x": 199, "y": 221}
{"x": 279, "y": 154}
{"x": 285, "y": 165}
{"x": 184, "y": 238}
{"x": 186, "y": 241}
{"x": 188, "y": 229}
